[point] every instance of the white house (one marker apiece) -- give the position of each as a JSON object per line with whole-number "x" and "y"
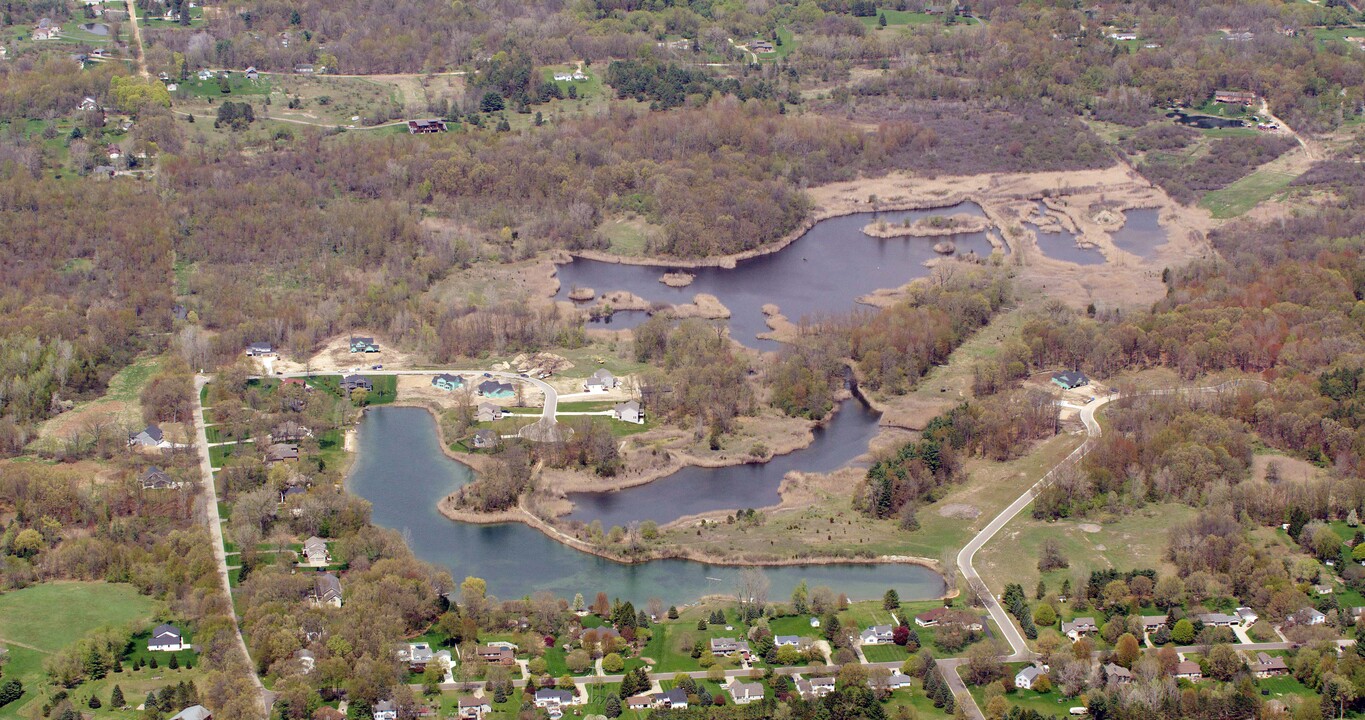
{"x": 877, "y": 635}
{"x": 1025, "y": 678}
{"x": 315, "y": 551}
{"x": 150, "y": 437}
{"x": 474, "y": 708}
{"x": 628, "y": 412}
{"x": 745, "y": 693}
{"x": 384, "y": 710}
{"x": 600, "y": 381}
{"x": 815, "y": 687}
{"x": 1078, "y": 627}
{"x": 1247, "y": 615}
{"x": 166, "y": 638}
{"x": 552, "y": 698}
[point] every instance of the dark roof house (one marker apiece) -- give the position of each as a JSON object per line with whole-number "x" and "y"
{"x": 154, "y": 478}
{"x": 1069, "y": 379}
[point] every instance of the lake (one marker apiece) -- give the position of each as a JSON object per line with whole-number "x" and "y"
{"x": 694, "y": 490}
{"x": 822, "y": 273}
{"x": 1060, "y": 244}
{"x": 402, "y": 471}
{"x": 96, "y": 28}
{"x": 1141, "y": 233}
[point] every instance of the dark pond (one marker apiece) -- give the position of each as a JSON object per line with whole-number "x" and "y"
{"x": 822, "y": 272}
{"x": 401, "y": 470}
{"x": 1204, "y": 122}
{"x": 695, "y": 490}
{"x": 1141, "y": 233}
{"x": 95, "y": 28}
{"x": 1061, "y": 244}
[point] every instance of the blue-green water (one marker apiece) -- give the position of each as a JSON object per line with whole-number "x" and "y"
{"x": 402, "y": 471}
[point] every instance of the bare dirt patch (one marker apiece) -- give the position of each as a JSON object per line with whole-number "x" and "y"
{"x": 960, "y": 511}
{"x": 1089, "y": 527}
{"x": 677, "y": 279}
{"x": 336, "y": 357}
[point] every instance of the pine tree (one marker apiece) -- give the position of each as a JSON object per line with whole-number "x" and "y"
{"x": 613, "y": 706}
{"x": 150, "y": 702}
{"x": 891, "y": 600}
{"x": 174, "y": 664}
{"x": 94, "y": 703}
{"x": 116, "y": 698}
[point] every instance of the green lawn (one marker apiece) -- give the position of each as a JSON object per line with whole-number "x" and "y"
{"x": 885, "y": 653}
{"x": 629, "y": 235}
{"x": 1049, "y": 704}
{"x": 219, "y": 454}
{"x": 49, "y": 617}
{"x": 901, "y": 17}
{"x": 237, "y": 84}
{"x": 1246, "y": 193}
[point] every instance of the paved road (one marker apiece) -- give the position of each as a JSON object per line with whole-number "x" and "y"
{"x": 215, "y": 525}
{"x": 1008, "y": 628}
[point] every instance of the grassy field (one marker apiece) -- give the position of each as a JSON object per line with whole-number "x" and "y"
{"x": 629, "y": 235}
{"x": 1123, "y": 543}
{"x": 1049, "y": 704}
{"x": 1246, "y": 193}
{"x": 38, "y": 621}
{"x": 120, "y": 404}
{"x": 885, "y": 653}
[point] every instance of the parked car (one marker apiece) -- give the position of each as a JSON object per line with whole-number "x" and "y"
{"x": 376, "y": 367}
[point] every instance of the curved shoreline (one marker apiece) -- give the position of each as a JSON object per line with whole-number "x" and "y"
{"x": 730, "y": 261}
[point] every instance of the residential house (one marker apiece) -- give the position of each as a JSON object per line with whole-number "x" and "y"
{"x": 795, "y": 641}
{"x": 1307, "y": 616}
{"x": 496, "y": 389}
{"x": 260, "y": 349}
{"x": 554, "y": 698}
{"x": 150, "y": 437}
{"x": 1070, "y": 379}
{"x": 46, "y": 33}
{"x": 628, "y": 412}
{"x": 815, "y": 687}
{"x": 496, "y": 655}
{"x": 675, "y": 699}
{"x": 422, "y": 127}
{"x": 205, "y": 75}
{"x": 948, "y": 616}
{"x": 297, "y": 382}
{"x": 485, "y": 438}
{"x": 639, "y": 702}
{"x": 745, "y": 693}
{"x": 364, "y": 345}
{"x": 446, "y": 381}
{"x": 194, "y": 712}
{"x": 251, "y": 73}
{"x": 281, "y": 452}
{"x": 762, "y": 46}
{"x": 89, "y": 103}
{"x": 114, "y": 152}
{"x": 289, "y": 432}
{"x": 487, "y": 412}
{"x": 1219, "y": 619}
{"x": 327, "y": 590}
{"x": 1247, "y": 616}
{"x": 600, "y": 381}
{"x": 898, "y": 680}
{"x": 1235, "y": 97}
{"x": 1117, "y": 674}
{"x": 1025, "y": 678}
{"x": 180, "y": 312}
{"x": 166, "y": 638}
{"x": 327, "y": 712}
{"x": 1188, "y": 671}
{"x": 154, "y": 478}
{"x": 1152, "y": 623}
{"x": 315, "y": 551}
{"x": 474, "y": 708}
{"x": 1240, "y": 36}
{"x": 307, "y": 660}
{"x": 384, "y": 710}
{"x": 1122, "y": 35}
{"x": 815, "y": 622}
{"x": 1074, "y": 629}
{"x": 563, "y": 77}
{"x": 877, "y": 635}
{"x": 306, "y": 70}
{"x": 290, "y": 491}
{"x": 1267, "y": 666}
{"x": 103, "y": 172}
{"x": 419, "y": 656}
{"x": 730, "y": 646}
{"x": 356, "y": 382}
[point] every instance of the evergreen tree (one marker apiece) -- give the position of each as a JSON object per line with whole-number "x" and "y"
{"x": 881, "y": 20}
{"x": 116, "y": 698}
{"x": 94, "y": 703}
{"x": 174, "y": 664}
{"x": 891, "y": 600}
{"x": 613, "y": 706}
